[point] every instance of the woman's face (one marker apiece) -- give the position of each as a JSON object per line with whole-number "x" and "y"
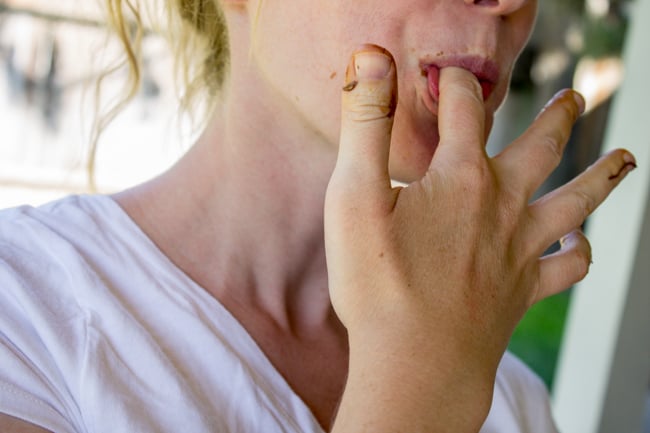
{"x": 302, "y": 49}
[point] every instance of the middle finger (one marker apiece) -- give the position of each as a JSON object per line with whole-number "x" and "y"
{"x": 530, "y": 159}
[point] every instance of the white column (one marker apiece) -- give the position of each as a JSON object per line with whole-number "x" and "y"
{"x": 604, "y": 366}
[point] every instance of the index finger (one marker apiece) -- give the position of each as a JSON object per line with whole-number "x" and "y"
{"x": 461, "y": 115}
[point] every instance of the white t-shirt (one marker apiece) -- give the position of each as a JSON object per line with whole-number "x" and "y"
{"x": 100, "y": 332}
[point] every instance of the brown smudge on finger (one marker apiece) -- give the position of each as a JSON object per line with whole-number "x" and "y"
{"x": 623, "y": 170}
{"x": 350, "y": 86}
{"x": 333, "y": 75}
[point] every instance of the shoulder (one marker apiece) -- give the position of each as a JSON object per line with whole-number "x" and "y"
{"x": 68, "y": 218}
{"x": 39, "y": 245}
{"x": 33, "y": 246}
{"x": 56, "y": 263}
{"x": 43, "y": 326}
{"x": 521, "y": 400}
{"x": 63, "y": 233}
{"x": 74, "y": 295}
{"x": 46, "y": 254}
{"x": 69, "y": 257}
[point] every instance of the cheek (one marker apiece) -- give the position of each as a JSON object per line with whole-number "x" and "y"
{"x": 515, "y": 38}
{"x": 303, "y": 73}
{"x": 523, "y": 24}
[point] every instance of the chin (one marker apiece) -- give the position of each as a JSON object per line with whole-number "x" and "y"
{"x": 406, "y": 174}
{"x": 413, "y": 145}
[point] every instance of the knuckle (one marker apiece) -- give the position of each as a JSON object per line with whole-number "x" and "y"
{"x": 474, "y": 171}
{"x": 368, "y": 112}
{"x": 370, "y": 101}
{"x": 475, "y": 183}
{"x": 554, "y": 145}
{"x": 585, "y": 203}
{"x": 474, "y": 177}
{"x": 511, "y": 210}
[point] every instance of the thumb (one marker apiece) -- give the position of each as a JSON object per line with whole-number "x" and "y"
{"x": 368, "y": 105}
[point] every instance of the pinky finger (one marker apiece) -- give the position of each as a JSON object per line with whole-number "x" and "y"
{"x": 562, "y": 269}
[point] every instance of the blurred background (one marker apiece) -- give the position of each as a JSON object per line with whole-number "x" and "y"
{"x": 52, "y": 52}
{"x": 576, "y": 43}
{"x": 51, "y": 55}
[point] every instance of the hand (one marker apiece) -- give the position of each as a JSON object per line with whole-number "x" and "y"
{"x": 431, "y": 279}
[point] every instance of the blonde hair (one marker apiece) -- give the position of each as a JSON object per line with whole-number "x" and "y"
{"x": 197, "y": 33}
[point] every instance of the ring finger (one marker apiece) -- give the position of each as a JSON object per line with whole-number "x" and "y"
{"x": 565, "y": 208}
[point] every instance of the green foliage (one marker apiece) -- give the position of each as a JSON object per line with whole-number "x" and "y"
{"x": 604, "y": 36}
{"x": 537, "y": 338}
{"x": 571, "y": 6}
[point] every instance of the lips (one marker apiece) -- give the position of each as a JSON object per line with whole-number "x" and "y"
{"x": 486, "y": 71}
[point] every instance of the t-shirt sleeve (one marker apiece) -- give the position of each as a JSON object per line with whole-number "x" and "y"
{"x": 26, "y": 395}
{"x": 521, "y": 402}
{"x": 34, "y": 323}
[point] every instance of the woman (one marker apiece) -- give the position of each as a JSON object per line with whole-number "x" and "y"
{"x": 202, "y": 300}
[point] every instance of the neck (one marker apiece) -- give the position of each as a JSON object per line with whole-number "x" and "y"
{"x": 242, "y": 215}
{"x": 247, "y": 200}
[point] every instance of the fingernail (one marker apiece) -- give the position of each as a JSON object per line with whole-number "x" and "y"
{"x": 372, "y": 65}
{"x": 629, "y": 158}
{"x": 580, "y": 100}
{"x": 555, "y": 97}
{"x": 559, "y": 95}
{"x": 564, "y": 239}
{"x": 577, "y": 97}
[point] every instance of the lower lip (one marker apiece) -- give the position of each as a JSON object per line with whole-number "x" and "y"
{"x": 433, "y": 78}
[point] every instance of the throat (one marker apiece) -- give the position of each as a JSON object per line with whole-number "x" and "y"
{"x": 314, "y": 364}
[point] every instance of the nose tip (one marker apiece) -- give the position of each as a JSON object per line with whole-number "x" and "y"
{"x": 501, "y": 7}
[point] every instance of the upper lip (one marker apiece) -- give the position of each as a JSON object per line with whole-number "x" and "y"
{"x": 483, "y": 68}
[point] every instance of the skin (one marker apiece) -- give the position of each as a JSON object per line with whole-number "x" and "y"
{"x": 495, "y": 31}
{"x": 372, "y": 318}
{"x": 452, "y": 297}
